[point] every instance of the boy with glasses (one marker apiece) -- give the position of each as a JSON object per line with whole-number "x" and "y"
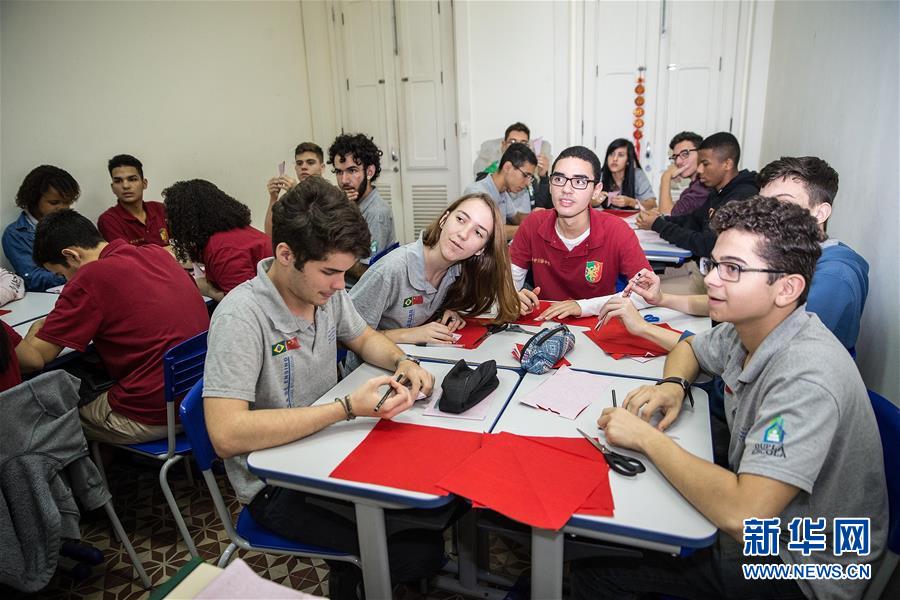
{"x": 505, "y": 186}
{"x": 804, "y": 441}
{"x": 685, "y": 160}
{"x": 575, "y": 253}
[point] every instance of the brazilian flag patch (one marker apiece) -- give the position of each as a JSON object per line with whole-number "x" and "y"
{"x": 285, "y": 345}
{"x": 407, "y": 302}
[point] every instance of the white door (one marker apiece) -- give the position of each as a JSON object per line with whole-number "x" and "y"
{"x": 397, "y": 60}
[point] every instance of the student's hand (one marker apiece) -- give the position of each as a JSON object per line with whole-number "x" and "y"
{"x": 646, "y": 218}
{"x": 368, "y": 395}
{"x": 645, "y": 284}
{"x": 674, "y": 172}
{"x": 622, "y": 201}
{"x": 618, "y": 307}
{"x": 624, "y": 429}
{"x": 528, "y": 300}
{"x": 543, "y": 165}
{"x": 561, "y": 310}
{"x": 417, "y": 378}
{"x": 431, "y": 333}
{"x": 278, "y": 184}
{"x": 599, "y": 199}
{"x": 646, "y": 400}
{"x": 452, "y": 320}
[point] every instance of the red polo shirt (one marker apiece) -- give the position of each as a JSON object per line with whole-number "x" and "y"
{"x": 116, "y": 223}
{"x": 231, "y": 256}
{"x": 10, "y": 377}
{"x": 135, "y": 303}
{"x": 590, "y": 269}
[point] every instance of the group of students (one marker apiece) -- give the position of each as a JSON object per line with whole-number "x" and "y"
{"x": 274, "y": 335}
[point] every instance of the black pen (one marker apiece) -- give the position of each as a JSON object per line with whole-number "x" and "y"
{"x": 387, "y": 393}
{"x": 614, "y": 398}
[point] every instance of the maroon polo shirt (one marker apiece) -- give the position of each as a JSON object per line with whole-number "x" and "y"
{"x": 11, "y": 377}
{"x": 116, "y": 223}
{"x": 231, "y": 256}
{"x": 590, "y": 269}
{"x": 135, "y": 303}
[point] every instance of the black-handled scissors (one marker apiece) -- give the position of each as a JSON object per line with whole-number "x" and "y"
{"x": 621, "y": 464}
{"x": 497, "y": 328}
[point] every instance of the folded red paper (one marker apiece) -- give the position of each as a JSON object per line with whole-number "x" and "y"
{"x": 530, "y": 318}
{"x": 3, "y": 311}
{"x": 535, "y": 483}
{"x": 517, "y": 354}
{"x": 616, "y": 341}
{"x": 471, "y": 335}
{"x": 618, "y": 212}
{"x": 408, "y": 457}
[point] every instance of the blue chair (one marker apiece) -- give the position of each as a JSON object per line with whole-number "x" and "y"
{"x": 245, "y": 534}
{"x": 888, "y": 417}
{"x": 182, "y": 367}
{"x": 383, "y": 253}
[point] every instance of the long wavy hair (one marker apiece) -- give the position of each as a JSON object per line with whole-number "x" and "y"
{"x": 484, "y": 277}
{"x": 633, "y": 163}
{"x": 197, "y": 209}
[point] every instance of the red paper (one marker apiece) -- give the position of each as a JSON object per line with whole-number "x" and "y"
{"x": 618, "y": 212}
{"x": 616, "y": 341}
{"x": 409, "y": 457}
{"x": 517, "y": 354}
{"x": 3, "y": 311}
{"x": 533, "y": 483}
{"x": 471, "y": 333}
{"x": 529, "y": 319}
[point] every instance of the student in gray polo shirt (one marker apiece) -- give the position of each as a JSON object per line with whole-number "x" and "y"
{"x": 508, "y": 186}
{"x": 356, "y": 162}
{"x": 272, "y": 348}
{"x": 804, "y": 441}
{"x": 460, "y": 265}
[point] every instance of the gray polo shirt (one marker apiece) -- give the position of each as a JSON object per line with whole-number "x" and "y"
{"x": 507, "y": 204}
{"x": 380, "y": 220}
{"x": 394, "y": 293}
{"x": 262, "y": 353}
{"x": 799, "y": 413}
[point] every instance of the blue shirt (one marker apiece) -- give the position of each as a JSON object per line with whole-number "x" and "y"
{"x": 18, "y": 246}
{"x": 838, "y": 291}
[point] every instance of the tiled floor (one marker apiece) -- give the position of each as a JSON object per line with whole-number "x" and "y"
{"x": 142, "y": 509}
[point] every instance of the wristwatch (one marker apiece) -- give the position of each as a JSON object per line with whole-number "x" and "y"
{"x": 685, "y": 386}
{"x": 347, "y": 406}
{"x": 405, "y": 357}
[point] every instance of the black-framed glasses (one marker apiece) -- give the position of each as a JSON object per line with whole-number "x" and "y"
{"x": 578, "y": 182}
{"x": 683, "y": 154}
{"x": 729, "y": 271}
{"x": 528, "y": 176}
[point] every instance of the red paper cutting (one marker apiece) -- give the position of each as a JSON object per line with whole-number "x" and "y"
{"x": 3, "y": 311}
{"x": 470, "y": 335}
{"x": 409, "y": 457}
{"x": 533, "y": 483}
{"x": 616, "y": 341}
{"x": 529, "y": 319}
{"x": 616, "y": 212}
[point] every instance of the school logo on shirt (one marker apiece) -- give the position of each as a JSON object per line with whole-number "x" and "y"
{"x": 407, "y": 302}
{"x": 774, "y": 433}
{"x": 373, "y": 247}
{"x": 285, "y": 345}
{"x": 164, "y": 234}
{"x": 593, "y": 270}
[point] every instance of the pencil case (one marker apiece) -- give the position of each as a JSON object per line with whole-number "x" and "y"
{"x": 544, "y": 349}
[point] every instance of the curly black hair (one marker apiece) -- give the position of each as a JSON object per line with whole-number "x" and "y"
{"x": 40, "y": 180}
{"x": 362, "y": 148}
{"x": 197, "y": 209}
{"x": 790, "y": 235}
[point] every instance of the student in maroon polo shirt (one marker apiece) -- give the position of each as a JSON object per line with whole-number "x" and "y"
{"x": 134, "y": 303}
{"x": 15, "y": 358}
{"x": 575, "y": 253}
{"x": 210, "y": 227}
{"x": 132, "y": 219}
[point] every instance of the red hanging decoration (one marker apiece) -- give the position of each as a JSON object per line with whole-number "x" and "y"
{"x": 638, "y": 112}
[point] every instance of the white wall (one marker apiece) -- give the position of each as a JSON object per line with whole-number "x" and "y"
{"x": 215, "y": 90}
{"x": 833, "y": 93}
{"x": 513, "y": 63}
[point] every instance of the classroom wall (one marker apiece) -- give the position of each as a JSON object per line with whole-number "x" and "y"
{"x": 833, "y": 93}
{"x": 216, "y": 90}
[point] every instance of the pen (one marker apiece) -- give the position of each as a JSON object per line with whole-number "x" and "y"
{"x": 387, "y": 393}
{"x": 614, "y": 398}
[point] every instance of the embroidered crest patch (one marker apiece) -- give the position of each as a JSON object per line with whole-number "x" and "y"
{"x": 592, "y": 271}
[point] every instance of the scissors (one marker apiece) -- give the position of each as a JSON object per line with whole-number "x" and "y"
{"x": 492, "y": 329}
{"x": 621, "y": 464}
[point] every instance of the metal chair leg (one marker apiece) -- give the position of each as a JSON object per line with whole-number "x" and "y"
{"x": 98, "y": 460}
{"x": 120, "y": 532}
{"x": 173, "y": 506}
{"x": 226, "y": 556}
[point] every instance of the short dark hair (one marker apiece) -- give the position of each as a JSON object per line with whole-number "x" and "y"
{"x": 791, "y": 234}
{"x": 125, "y": 160}
{"x": 820, "y": 179}
{"x": 518, "y": 155}
{"x": 315, "y": 219}
{"x": 517, "y": 126}
{"x": 725, "y": 146}
{"x": 39, "y": 181}
{"x": 310, "y": 147}
{"x": 363, "y": 149}
{"x": 686, "y": 136}
{"x": 583, "y": 153}
{"x": 60, "y": 230}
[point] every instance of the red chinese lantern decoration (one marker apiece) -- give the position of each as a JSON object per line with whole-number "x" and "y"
{"x": 639, "y": 110}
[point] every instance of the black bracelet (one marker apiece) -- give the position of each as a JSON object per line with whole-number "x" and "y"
{"x": 685, "y": 386}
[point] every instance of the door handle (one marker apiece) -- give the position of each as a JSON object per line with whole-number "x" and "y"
{"x": 394, "y": 156}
